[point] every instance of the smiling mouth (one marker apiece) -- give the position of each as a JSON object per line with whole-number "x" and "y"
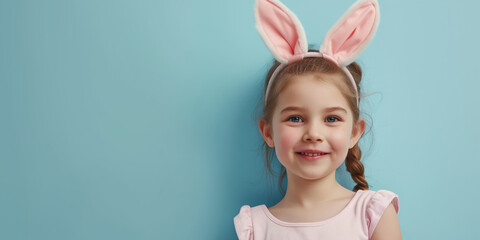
{"x": 312, "y": 154}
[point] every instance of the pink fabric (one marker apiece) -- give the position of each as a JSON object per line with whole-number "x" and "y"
{"x": 351, "y": 33}
{"x": 356, "y": 221}
{"x": 280, "y": 29}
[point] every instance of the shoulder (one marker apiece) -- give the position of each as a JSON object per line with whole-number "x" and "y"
{"x": 244, "y": 223}
{"x": 388, "y": 226}
{"x": 381, "y": 214}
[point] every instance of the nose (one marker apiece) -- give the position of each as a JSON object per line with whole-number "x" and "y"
{"x": 314, "y": 132}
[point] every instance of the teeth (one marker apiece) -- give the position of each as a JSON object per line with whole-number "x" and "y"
{"x": 311, "y": 154}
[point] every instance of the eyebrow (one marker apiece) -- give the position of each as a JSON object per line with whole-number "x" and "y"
{"x": 295, "y": 108}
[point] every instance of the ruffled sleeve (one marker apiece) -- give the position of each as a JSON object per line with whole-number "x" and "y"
{"x": 377, "y": 205}
{"x": 243, "y": 223}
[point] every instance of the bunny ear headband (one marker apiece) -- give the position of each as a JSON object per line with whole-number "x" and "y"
{"x": 284, "y": 36}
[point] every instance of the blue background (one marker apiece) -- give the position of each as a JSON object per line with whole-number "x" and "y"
{"x": 137, "y": 119}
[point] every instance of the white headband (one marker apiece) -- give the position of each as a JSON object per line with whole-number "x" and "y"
{"x": 284, "y": 36}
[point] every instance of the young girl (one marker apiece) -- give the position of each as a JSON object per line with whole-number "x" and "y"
{"x": 311, "y": 119}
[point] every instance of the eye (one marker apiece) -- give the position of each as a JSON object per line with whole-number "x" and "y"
{"x": 332, "y": 119}
{"x": 294, "y": 118}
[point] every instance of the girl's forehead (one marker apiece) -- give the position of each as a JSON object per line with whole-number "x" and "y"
{"x": 312, "y": 91}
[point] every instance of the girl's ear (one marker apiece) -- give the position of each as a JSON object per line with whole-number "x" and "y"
{"x": 357, "y": 132}
{"x": 266, "y": 131}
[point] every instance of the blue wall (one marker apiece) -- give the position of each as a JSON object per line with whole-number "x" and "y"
{"x": 137, "y": 119}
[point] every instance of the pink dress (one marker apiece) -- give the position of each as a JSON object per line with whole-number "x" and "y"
{"x": 356, "y": 221}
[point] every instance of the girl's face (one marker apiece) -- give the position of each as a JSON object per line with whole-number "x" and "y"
{"x": 312, "y": 116}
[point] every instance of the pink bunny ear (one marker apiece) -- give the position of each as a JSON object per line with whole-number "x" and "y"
{"x": 280, "y": 29}
{"x": 351, "y": 34}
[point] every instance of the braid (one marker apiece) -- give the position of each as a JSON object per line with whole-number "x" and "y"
{"x": 355, "y": 167}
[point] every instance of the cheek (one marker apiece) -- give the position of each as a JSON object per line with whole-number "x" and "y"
{"x": 286, "y": 137}
{"x": 340, "y": 139}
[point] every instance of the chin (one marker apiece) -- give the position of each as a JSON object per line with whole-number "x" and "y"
{"x": 314, "y": 176}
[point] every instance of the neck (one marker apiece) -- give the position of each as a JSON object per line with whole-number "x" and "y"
{"x": 310, "y": 193}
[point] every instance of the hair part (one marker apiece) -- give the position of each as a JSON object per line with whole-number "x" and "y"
{"x": 315, "y": 65}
